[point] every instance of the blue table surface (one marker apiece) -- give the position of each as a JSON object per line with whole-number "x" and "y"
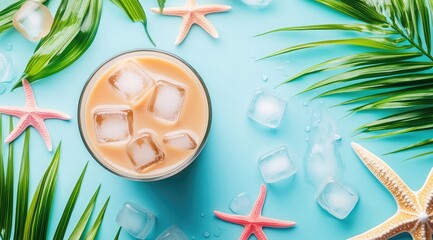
{"x": 228, "y": 164}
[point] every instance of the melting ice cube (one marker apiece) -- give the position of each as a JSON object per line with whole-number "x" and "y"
{"x": 131, "y": 81}
{"x": 241, "y": 204}
{"x": 257, "y": 3}
{"x": 276, "y": 165}
{"x": 144, "y": 150}
{"x": 33, "y": 20}
{"x": 167, "y": 101}
{"x": 172, "y": 233}
{"x": 266, "y": 108}
{"x": 113, "y": 124}
{"x": 181, "y": 139}
{"x": 337, "y": 199}
{"x": 136, "y": 220}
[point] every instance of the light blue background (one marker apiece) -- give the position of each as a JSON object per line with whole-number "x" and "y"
{"x": 228, "y": 164}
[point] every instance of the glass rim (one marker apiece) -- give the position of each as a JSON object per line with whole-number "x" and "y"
{"x": 176, "y": 169}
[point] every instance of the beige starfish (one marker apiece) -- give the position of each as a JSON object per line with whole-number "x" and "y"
{"x": 192, "y": 13}
{"x": 415, "y": 209}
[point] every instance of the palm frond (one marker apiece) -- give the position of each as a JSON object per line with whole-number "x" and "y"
{"x": 9, "y": 190}
{"x": 395, "y": 75}
{"x": 73, "y": 31}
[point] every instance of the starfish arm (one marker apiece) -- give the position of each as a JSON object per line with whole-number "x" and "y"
{"x": 399, "y": 223}
{"x": 213, "y": 8}
{"x": 269, "y": 222}
{"x": 19, "y": 128}
{"x": 175, "y": 11}
{"x": 30, "y": 98}
{"x": 184, "y": 29}
{"x": 422, "y": 232}
{"x": 201, "y": 20}
{"x": 258, "y": 231}
{"x": 425, "y": 194}
{"x": 48, "y": 114}
{"x": 240, "y": 220}
{"x": 248, "y": 230}
{"x": 40, "y": 126}
{"x": 14, "y": 111}
{"x": 404, "y": 196}
{"x": 258, "y": 206}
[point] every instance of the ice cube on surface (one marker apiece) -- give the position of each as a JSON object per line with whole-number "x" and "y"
{"x": 144, "y": 150}
{"x": 33, "y": 20}
{"x": 266, "y": 108}
{"x": 336, "y": 198}
{"x": 113, "y": 124}
{"x": 136, "y": 220}
{"x": 241, "y": 204}
{"x": 172, "y": 233}
{"x": 167, "y": 100}
{"x": 257, "y": 3}
{"x": 131, "y": 81}
{"x": 276, "y": 165}
{"x": 181, "y": 139}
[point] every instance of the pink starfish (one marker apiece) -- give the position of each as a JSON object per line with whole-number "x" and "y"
{"x": 31, "y": 115}
{"x": 254, "y": 222}
{"x": 192, "y": 13}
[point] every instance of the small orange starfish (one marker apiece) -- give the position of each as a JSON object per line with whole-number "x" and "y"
{"x": 254, "y": 222}
{"x": 192, "y": 13}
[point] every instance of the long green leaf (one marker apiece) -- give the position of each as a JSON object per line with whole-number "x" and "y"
{"x": 382, "y": 83}
{"x": 73, "y": 31}
{"x": 77, "y": 47}
{"x": 2, "y": 183}
{"x": 135, "y": 12}
{"x": 423, "y": 8}
{"x": 161, "y": 4}
{"x": 69, "y": 208}
{"x": 374, "y": 42}
{"x": 118, "y": 234}
{"x": 77, "y": 233}
{"x": 97, "y": 224}
{"x": 9, "y": 190}
{"x": 360, "y": 59}
{"x": 373, "y": 71}
{"x": 358, "y": 27}
{"x": 40, "y": 207}
{"x": 425, "y": 143}
{"x": 23, "y": 190}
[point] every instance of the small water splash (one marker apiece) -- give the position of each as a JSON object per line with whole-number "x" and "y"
{"x": 307, "y": 129}
{"x": 218, "y": 231}
{"x": 322, "y": 159}
{"x": 305, "y": 104}
{"x": 265, "y": 78}
{"x": 202, "y": 215}
{"x": 206, "y": 235}
{"x": 241, "y": 204}
{"x": 193, "y": 238}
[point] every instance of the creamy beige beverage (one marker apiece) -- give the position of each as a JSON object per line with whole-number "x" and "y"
{"x": 145, "y": 115}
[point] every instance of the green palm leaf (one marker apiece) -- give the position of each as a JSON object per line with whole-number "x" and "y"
{"x": 136, "y": 13}
{"x": 78, "y": 231}
{"x": 118, "y": 234}
{"x": 97, "y": 224}
{"x": 69, "y": 208}
{"x": 23, "y": 190}
{"x": 74, "y": 29}
{"x": 9, "y": 189}
{"x": 2, "y": 182}
{"x": 390, "y": 77}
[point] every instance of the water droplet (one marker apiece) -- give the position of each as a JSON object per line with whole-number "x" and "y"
{"x": 307, "y": 129}
{"x": 9, "y": 46}
{"x": 206, "y": 234}
{"x": 307, "y": 139}
{"x": 337, "y": 137}
{"x": 258, "y": 4}
{"x": 6, "y": 68}
{"x": 305, "y": 104}
{"x": 241, "y": 204}
{"x": 202, "y": 214}
{"x": 193, "y": 238}
{"x": 265, "y": 78}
